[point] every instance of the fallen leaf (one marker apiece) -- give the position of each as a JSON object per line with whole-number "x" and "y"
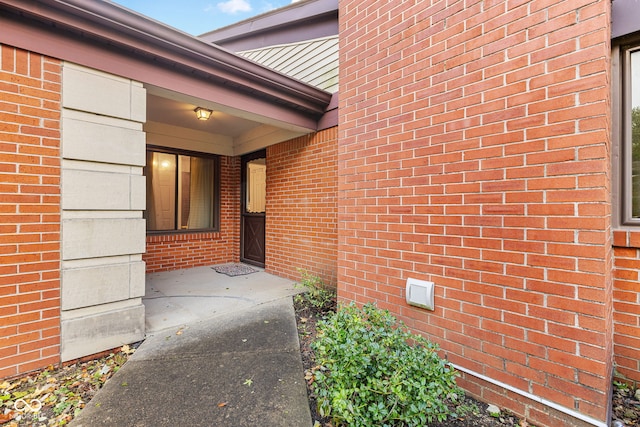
{"x": 222, "y": 404}
{"x": 47, "y": 389}
{"x": 10, "y": 386}
{"x": 5, "y": 418}
{"x": 20, "y": 394}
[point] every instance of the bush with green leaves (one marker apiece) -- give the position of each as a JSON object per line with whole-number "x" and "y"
{"x": 372, "y": 371}
{"x": 316, "y": 294}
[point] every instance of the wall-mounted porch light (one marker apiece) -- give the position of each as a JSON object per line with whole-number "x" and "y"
{"x": 203, "y": 113}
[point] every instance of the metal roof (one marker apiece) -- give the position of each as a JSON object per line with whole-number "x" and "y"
{"x": 312, "y": 61}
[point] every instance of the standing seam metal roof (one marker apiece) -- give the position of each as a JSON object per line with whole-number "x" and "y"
{"x": 312, "y": 61}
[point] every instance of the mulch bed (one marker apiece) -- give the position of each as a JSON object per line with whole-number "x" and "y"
{"x": 626, "y": 405}
{"x": 54, "y": 396}
{"x": 64, "y": 391}
{"x": 307, "y": 317}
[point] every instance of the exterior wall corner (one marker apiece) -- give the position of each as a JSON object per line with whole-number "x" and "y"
{"x": 29, "y": 211}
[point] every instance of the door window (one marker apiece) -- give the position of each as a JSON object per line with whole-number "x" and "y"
{"x": 256, "y": 186}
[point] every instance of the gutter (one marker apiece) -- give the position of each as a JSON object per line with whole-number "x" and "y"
{"x": 113, "y": 24}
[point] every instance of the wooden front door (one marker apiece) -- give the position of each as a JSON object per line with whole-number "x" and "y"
{"x": 252, "y": 226}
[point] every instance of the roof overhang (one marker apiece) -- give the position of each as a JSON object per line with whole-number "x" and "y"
{"x": 625, "y": 17}
{"x": 110, "y": 38}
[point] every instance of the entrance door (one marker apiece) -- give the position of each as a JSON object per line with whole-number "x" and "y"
{"x": 252, "y": 225}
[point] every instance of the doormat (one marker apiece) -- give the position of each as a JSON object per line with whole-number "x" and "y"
{"x": 232, "y": 270}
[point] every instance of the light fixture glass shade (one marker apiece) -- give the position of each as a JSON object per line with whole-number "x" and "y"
{"x": 203, "y": 113}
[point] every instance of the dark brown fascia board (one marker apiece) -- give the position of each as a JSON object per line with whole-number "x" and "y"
{"x": 288, "y": 15}
{"x": 625, "y": 17}
{"x": 295, "y": 32}
{"x": 127, "y": 30}
{"x": 330, "y": 118}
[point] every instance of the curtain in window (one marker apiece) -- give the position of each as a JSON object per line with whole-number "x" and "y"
{"x": 150, "y": 212}
{"x": 161, "y": 191}
{"x": 201, "y": 193}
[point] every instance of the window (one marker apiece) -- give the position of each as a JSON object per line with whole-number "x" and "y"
{"x": 626, "y": 135}
{"x": 256, "y": 190}
{"x": 632, "y": 128}
{"x": 182, "y": 191}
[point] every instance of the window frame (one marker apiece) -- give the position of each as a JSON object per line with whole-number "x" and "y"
{"x": 621, "y": 129}
{"x": 216, "y": 190}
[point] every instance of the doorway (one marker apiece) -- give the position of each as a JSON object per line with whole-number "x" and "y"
{"x": 253, "y": 204}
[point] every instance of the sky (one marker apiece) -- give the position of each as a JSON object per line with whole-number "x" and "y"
{"x": 200, "y": 16}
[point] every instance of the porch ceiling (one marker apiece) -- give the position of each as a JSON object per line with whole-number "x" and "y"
{"x": 178, "y": 113}
{"x": 171, "y": 121}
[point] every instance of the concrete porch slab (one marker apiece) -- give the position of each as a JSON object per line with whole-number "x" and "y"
{"x": 176, "y": 298}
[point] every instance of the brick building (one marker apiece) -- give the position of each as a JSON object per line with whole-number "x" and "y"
{"x": 485, "y": 146}
{"x": 107, "y": 173}
{"x": 475, "y": 152}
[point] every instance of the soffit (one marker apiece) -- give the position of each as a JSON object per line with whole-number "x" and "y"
{"x": 180, "y": 113}
{"x": 625, "y": 17}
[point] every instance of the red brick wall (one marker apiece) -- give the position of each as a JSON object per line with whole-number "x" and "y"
{"x": 29, "y": 211}
{"x": 185, "y": 250}
{"x": 626, "y": 305}
{"x": 301, "y": 230}
{"x": 474, "y": 152}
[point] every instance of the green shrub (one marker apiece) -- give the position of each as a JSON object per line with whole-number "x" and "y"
{"x": 317, "y": 294}
{"x": 373, "y": 372}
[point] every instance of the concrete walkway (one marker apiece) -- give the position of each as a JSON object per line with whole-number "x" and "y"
{"x": 238, "y": 366}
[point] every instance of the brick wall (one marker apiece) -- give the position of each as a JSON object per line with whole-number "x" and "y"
{"x": 474, "y": 152}
{"x": 29, "y": 211}
{"x": 301, "y": 223}
{"x": 185, "y": 250}
{"x": 626, "y": 295}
